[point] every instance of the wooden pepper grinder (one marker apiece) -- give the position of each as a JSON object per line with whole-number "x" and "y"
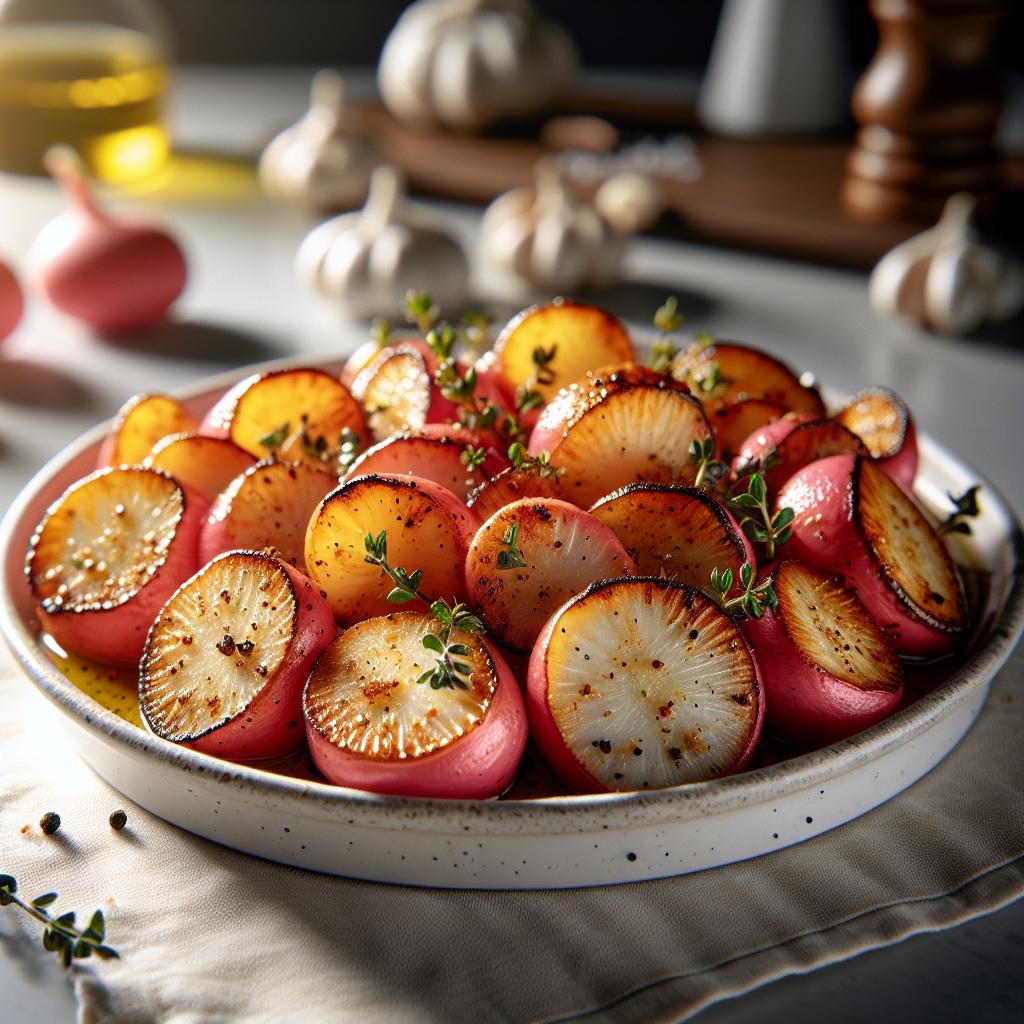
{"x": 927, "y": 107}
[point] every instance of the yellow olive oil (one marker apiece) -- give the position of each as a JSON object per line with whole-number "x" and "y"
{"x": 96, "y": 88}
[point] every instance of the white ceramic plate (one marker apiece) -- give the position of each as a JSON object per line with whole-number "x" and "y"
{"x": 530, "y": 843}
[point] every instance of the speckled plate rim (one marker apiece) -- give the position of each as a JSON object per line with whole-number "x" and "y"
{"x": 553, "y": 815}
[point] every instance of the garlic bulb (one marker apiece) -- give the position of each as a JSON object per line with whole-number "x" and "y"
{"x": 368, "y": 260}
{"x": 630, "y": 202}
{"x": 548, "y": 238}
{"x": 465, "y": 64}
{"x": 945, "y": 278}
{"x": 320, "y": 162}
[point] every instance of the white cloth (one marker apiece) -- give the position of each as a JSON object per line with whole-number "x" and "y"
{"x": 213, "y": 936}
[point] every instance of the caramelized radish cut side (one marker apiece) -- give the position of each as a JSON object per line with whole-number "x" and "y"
{"x": 428, "y": 528}
{"x": 371, "y": 725}
{"x": 562, "y": 550}
{"x": 106, "y": 556}
{"x": 398, "y": 392}
{"x": 731, "y": 425}
{"x": 514, "y": 484}
{"x": 298, "y": 415}
{"x": 206, "y": 464}
{"x": 228, "y": 655}
{"x": 444, "y": 456}
{"x": 268, "y": 506}
{"x": 881, "y": 419}
{"x": 640, "y": 433}
{"x": 806, "y": 443}
{"x": 828, "y": 670}
{"x": 851, "y": 519}
{"x": 358, "y": 361}
{"x": 583, "y": 338}
{"x": 640, "y": 684}
{"x": 679, "y": 533}
{"x": 723, "y": 372}
{"x": 141, "y": 422}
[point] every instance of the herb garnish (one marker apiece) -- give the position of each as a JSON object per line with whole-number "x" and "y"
{"x": 966, "y": 508}
{"x": 762, "y": 526}
{"x": 668, "y": 320}
{"x": 512, "y": 558}
{"x": 276, "y": 437}
{"x": 710, "y": 471}
{"x": 752, "y": 600}
{"x": 421, "y": 310}
{"x": 521, "y": 459}
{"x": 528, "y": 397}
{"x": 60, "y": 935}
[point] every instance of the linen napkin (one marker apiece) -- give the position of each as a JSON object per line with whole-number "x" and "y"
{"x": 213, "y": 936}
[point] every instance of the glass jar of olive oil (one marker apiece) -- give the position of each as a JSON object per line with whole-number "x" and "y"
{"x": 90, "y": 74}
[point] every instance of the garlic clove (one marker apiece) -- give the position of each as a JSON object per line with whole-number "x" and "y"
{"x": 955, "y": 293}
{"x": 630, "y": 202}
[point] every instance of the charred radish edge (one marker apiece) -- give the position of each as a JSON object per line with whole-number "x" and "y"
{"x": 732, "y": 424}
{"x": 730, "y": 531}
{"x": 117, "y": 633}
{"x": 893, "y": 444}
{"x": 478, "y": 763}
{"x": 808, "y": 442}
{"x": 544, "y": 729}
{"x": 806, "y": 701}
{"x": 511, "y": 485}
{"x": 267, "y": 726}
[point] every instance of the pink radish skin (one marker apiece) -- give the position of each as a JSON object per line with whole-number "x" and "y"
{"x": 805, "y": 703}
{"x": 479, "y": 766}
{"x": 827, "y": 533}
{"x": 881, "y": 418}
{"x": 902, "y": 467}
{"x": 117, "y": 635}
{"x": 767, "y": 438}
{"x": 12, "y": 303}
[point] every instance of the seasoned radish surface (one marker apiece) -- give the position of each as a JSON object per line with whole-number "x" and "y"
{"x": 910, "y": 554}
{"x": 141, "y": 423}
{"x": 640, "y": 433}
{"x": 680, "y": 533}
{"x": 808, "y": 442}
{"x": 206, "y": 464}
{"x": 583, "y": 337}
{"x": 428, "y": 528}
{"x": 268, "y": 506}
{"x": 398, "y": 392}
{"x": 647, "y": 684}
{"x": 564, "y": 550}
{"x": 879, "y": 417}
{"x": 733, "y": 424}
{"x": 512, "y": 484}
{"x": 297, "y": 414}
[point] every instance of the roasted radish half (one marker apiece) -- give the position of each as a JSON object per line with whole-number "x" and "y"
{"x": 643, "y": 683}
{"x": 827, "y": 668}
{"x": 206, "y": 464}
{"x": 881, "y": 419}
{"x": 529, "y": 558}
{"x": 680, "y": 533}
{"x": 853, "y": 520}
{"x": 398, "y": 392}
{"x": 450, "y": 456}
{"x": 298, "y": 415}
{"x": 268, "y": 506}
{"x": 228, "y": 655}
{"x": 428, "y": 529}
{"x": 573, "y": 339}
{"x": 732, "y": 424}
{"x": 723, "y": 372}
{"x": 527, "y": 481}
{"x": 106, "y": 556}
{"x": 372, "y": 724}
{"x": 141, "y": 422}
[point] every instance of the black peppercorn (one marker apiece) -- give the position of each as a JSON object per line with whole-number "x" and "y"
{"x": 49, "y": 823}
{"x": 118, "y": 820}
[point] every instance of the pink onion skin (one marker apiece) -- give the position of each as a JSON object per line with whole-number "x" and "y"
{"x": 478, "y": 766}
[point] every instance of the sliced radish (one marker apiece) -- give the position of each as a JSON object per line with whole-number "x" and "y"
{"x": 141, "y": 422}
{"x": 558, "y": 550}
{"x": 442, "y": 453}
{"x": 372, "y": 726}
{"x": 881, "y": 419}
{"x": 512, "y": 484}
{"x": 828, "y": 670}
{"x": 228, "y": 655}
{"x": 398, "y": 392}
{"x": 107, "y": 554}
{"x": 428, "y": 528}
{"x": 680, "y": 533}
{"x": 643, "y": 683}
{"x": 583, "y": 338}
{"x": 206, "y": 464}
{"x": 268, "y": 506}
{"x": 626, "y": 434}
{"x": 853, "y": 520}
{"x": 358, "y": 361}
{"x": 298, "y": 415}
{"x": 742, "y": 371}
{"x": 732, "y": 424}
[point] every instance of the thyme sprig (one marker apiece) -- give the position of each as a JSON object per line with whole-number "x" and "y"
{"x": 752, "y": 599}
{"x": 668, "y": 320}
{"x": 421, "y": 310}
{"x": 512, "y": 556}
{"x": 527, "y": 396}
{"x": 966, "y": 507}
{"x": 60, "y": 935}
{"x": 472, "y": 458}
{"x": 522, "y": 459}
{"x": 710, "y": 471}
{"x": 757, "y": 522}
{"x": 451, "y": 670}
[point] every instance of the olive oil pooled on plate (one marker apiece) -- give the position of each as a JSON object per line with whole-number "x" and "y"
{"x": 96, "y": 88}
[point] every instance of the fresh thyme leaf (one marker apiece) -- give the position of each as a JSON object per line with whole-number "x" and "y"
{"x": 757, "y": 522}
{"x": 512, "y": 558}
{"x": 752, "y": 598}
{"x": 668, "y": 318}
{"x": 473, "y": 458}
{"x": 965, "y": 507}
{"x": 710, "y": 471}
{"x": 277, "y": 437}
{"x": 421, "y": 310}
{"x": 380, "y": 332}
